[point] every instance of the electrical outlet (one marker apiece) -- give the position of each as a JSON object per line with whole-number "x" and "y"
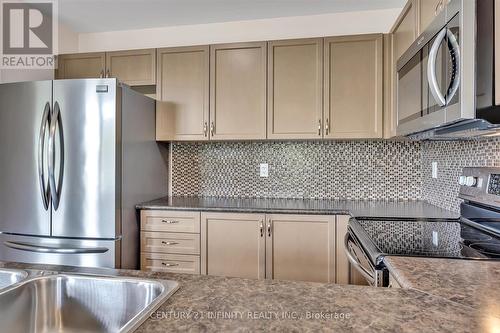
{"x": 435, "y": 238}
{"x": 264, "y": 170}
{"x": 434, "y": 170}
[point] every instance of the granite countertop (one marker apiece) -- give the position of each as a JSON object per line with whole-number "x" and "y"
{"x": 356, "y": 208}
{"x": 473, "y": 283}
{"x": 215, "y": 304}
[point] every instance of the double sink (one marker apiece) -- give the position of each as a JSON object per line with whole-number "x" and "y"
{"x": 38, "y": 301}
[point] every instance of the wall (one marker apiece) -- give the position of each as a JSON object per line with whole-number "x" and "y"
{"x": 67, "y": 43}
{"x": 451, "y": 157}
{"x": 330, "y": 169}
{"x": 333, "y": 169}
{"x": 334, "y": 24}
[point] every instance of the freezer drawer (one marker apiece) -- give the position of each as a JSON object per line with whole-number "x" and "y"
{"x": 58, "y": 251}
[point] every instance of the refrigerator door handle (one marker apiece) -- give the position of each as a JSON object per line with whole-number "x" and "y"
{"x": 55, "y": 123}
{"x": 52, "y": 249}
{"x": 41, "y": 156}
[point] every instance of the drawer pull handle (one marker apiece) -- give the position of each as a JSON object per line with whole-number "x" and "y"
{"x": 169, "y": 243}
{"x": 166, "y": 264}
{"x": 170, "y": 221}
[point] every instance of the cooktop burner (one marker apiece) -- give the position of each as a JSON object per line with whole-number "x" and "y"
{"x": 451, "y": 239}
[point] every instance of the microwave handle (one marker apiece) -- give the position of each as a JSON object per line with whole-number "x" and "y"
{"x": 431, "y": 69}
{"x": 455, "y": 51}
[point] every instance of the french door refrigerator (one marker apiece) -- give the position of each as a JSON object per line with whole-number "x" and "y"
{"x": 76, "y": 156}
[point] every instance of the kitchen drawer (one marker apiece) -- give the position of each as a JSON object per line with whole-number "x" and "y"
{"x": 170, "y": 221}
{"x": 173, "y": 263}
{"x": 165, "y": 242}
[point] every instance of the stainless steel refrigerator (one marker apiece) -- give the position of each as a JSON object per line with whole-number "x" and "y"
{"x": 76, "y": 156}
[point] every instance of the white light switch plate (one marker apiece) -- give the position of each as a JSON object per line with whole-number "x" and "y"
{"x": 264, "y": 170}
{"x": 434, "y": 169}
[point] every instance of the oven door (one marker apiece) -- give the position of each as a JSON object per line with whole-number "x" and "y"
{"x": 360, "y": 261}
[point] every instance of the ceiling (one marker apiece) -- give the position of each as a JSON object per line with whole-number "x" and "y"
{"x": 113, "y": 15}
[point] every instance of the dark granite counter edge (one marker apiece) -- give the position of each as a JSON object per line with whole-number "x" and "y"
{"x": 355, "y": 208}
{"x": 249, "y": 210}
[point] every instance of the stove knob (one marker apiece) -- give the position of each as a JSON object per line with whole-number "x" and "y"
{"x": 461, "y": 180}
{"x": 471, "y": 181}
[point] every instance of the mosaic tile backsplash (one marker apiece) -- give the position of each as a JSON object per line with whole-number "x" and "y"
{"x": 331, "y": 169}
{"x": 451, "y": 157}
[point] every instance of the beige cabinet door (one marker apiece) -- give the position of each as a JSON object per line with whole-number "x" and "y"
{"x": 295, "y": 89}
{"x": 300, "y": 247}
{"x": 345, "y": 273}
{"x": 405, "y": 31}
{"x": 183, "y": 92}
{"x": 233, "y": 245}
{"x": 497, "y": 52}
{"x": 342, "y": 263}
{"x": 135, "y": 67}
{"x": 81, "y": 66}
{"x": 429, "y": 9}
{"x": 353, "y": 100}
{"x": 390, "y": 116}
{"x": 238, "y": 91}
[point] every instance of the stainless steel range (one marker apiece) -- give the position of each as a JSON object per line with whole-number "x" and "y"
{"x": 475, "y": 235}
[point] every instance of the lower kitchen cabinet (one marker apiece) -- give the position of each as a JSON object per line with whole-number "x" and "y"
{"x": 300, "y": 247}
{"x": 173, "y": 263}
{"x": 234, "y": 245}
{"x": 256, "y": 246}
{"x": 345, "y": 273}
{"x": 170, "y": 241}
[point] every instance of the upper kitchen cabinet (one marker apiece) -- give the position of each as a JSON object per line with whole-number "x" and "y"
{"x": 295, "y": 89}
{"x": 238, "y": 91}
{"x": 182, "y": 111}
{"x": 81, "y": 66}
{"x": 353, "y": 87}
{"x": 405, "y": 31}
{"x": 390, "y": 121}
{"x": 429, "y": 9}
{"x": 135, "y": 68}
{"x": 403, "y": 34}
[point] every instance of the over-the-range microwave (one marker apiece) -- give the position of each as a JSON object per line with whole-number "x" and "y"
{"x": 446, "y": 79}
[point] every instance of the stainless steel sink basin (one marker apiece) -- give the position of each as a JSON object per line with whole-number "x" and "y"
{"x": 10, "y": 276}
{"x": 81, "y": 303}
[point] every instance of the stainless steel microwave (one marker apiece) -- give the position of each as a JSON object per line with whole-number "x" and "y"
{"x": 446, "y": 80}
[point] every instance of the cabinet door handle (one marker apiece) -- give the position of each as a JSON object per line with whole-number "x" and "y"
{"x": 327, "y": 126}
{"x": 167, "y": 264}
{"x": 261, "y": 228}
{"x": 170, "y": 221}
{"x": 205, "y": 129}
{"x": 212, "y": 128}
{"x": 319, "y": 127}
{"x": 269, "y": 228}
{"x": 169, "y": 243}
